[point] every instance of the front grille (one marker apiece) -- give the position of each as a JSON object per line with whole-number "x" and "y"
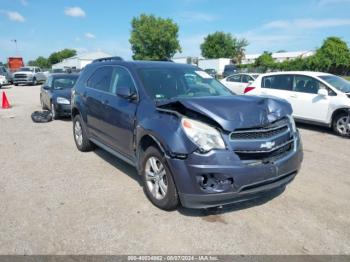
{"x": 20, "y": 76}
{"x": 259, "y": 133}
{"x": 277, "y": 151}
{"x": 271, "y": 141}
{"x": 269, "y": 131}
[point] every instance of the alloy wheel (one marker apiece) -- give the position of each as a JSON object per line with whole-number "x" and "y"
{"x": 78, "y": 133}
{"x": 343, "y": 125}
{"x": 156, "y": 178}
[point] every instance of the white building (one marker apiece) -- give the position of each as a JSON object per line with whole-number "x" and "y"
{"x": 217, "y": 64}
{"x": 80, "y": 61}
{"x": 279, "y": 57}
{"x": 185, "y": 60}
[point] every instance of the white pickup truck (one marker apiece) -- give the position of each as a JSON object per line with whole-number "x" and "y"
{"x": 29, "y": 75}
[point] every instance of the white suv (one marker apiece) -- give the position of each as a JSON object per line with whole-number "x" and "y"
{"x": 319, "y": 98}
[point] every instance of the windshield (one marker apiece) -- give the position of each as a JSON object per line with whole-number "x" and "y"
{"x": 27, "y": 69}
{"x": 339, "y": 83}
{"x": 64, "y": 82}
{"x": 170, "y": 83}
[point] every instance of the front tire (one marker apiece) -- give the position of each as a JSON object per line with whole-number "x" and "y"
{"x": 158, "y": 182}
{"x": 341, "y": 125}
{"x": 35, "y": 82}
{"x": 80, "y": 135}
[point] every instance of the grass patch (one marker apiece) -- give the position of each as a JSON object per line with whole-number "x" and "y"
{"x": 347, "y": 77}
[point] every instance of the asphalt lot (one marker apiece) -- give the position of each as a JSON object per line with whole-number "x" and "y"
{"x": 56, "y": 200}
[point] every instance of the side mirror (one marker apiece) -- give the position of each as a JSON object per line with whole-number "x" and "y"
{"x": 322, "y": 92}
{"x": 250, "y": 82}
{"x": 126, "y": 92}
{"x": 46, "y": 87}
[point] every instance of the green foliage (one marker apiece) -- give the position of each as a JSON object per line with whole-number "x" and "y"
{"x": 54, "y": 58}
{"x": 154, "y": 38}
{"x": 223, "y": 45}
{"x": 265, "y": 60}
{"x": 41, "y": 62}
{"x": 57, "y": 57}
{"x": 332, "y": 57}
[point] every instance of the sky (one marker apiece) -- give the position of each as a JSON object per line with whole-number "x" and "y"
{"x": 45, "y": 26}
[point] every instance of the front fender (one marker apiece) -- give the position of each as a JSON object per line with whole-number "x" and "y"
{"x": 166, "y": 129}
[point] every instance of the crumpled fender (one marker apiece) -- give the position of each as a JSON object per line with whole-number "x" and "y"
{"x": 165, "y": 128}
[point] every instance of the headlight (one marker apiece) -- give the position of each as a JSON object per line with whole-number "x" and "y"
{"x": 204, "y": 136}
{"x": 62, "y": 100}
{"x": 292, "y": 122}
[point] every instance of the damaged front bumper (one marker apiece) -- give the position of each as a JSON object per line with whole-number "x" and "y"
{"x": 219, "y": 177}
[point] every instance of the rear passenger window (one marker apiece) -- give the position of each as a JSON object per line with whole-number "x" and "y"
{"x": 245, "y": 79}
{"x": 236, "y": 78}
{"x": 101, "y": 79}
{"x": 281, "y": 82}
{"x": 121, "y": 78}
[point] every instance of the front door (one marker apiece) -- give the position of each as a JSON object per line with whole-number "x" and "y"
{"x": 306, "y": 102}
{"x": 119, "y": 117}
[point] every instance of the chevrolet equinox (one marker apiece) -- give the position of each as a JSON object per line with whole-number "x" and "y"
{"x": 192, "y": 140}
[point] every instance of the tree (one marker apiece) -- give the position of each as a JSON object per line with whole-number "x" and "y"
{"x": 220, "y": 45}
{"x": 265, "y": 61}
{"x": 154, "y": 38}
{"x": 333, "y": 56}
{"x": 40, "y": 62}
{"x": 57, "y": 57}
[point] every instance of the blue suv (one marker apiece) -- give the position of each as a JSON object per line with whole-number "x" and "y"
{"x": 191, "y": 139}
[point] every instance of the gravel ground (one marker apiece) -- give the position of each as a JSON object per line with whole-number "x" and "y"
{"x": 56, "y": 200}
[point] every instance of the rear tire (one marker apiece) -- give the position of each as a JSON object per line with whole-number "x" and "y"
{"x": 339, "y": 125}
{"x": 80, "y": 135}
{"x": 158, "y": 182}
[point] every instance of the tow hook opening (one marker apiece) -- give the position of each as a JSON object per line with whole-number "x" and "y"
{"x": 215, "y": 183}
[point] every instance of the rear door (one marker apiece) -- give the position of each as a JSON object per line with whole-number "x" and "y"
{"x": 97, "y": 88}
{"x": 233, "y": 83}
{"x": 306, "y": 102}
{"x": 280, "y": 86}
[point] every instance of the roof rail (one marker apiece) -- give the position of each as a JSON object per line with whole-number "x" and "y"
{"x": 104, "y": 59}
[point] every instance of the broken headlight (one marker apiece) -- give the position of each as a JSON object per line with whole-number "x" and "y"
{"x": 203, "y": 135}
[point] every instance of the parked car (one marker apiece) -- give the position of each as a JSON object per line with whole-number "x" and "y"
{"x": 212, "y": 72}
{"x": 5, "y": 76}
{"x": 317, "y": 98}
{"x": 238, "y": 82}
{"x": 192, "y": 141}
{"x": 55, "y": 94}
{"x": 229, "y": 70}
{"x": 29, "y": 75}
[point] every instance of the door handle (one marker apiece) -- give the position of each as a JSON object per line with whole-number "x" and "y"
{"x": 105, "y": 102}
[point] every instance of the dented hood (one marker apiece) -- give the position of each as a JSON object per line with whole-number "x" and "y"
{"x": 234, "y": 112}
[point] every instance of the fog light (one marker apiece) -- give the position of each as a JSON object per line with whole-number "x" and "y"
{"x": 214, "y": 183}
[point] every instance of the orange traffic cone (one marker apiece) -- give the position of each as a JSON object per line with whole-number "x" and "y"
{"x": 5, "y": 103}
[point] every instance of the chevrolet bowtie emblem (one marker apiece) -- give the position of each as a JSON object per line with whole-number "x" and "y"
{"x": 268, "y": 145}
